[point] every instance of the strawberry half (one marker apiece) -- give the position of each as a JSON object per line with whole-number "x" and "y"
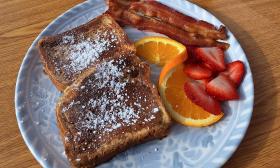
{"x": 208, "y": 66}
{"x": 235, "y": 71}
{"x": 204, "y": 82}
{"x": 212, "y": 56}
{"x": 197, "y": 71}
{"x": 196, "y": 93}
{"x": 190, "y": 51}
{"x": 222, "y": 88}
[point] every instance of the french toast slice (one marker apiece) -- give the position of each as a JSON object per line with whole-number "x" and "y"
{"x": 108, "y": 109}
{"x": 67, "y": 55}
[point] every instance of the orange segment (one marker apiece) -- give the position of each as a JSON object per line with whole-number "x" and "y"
{"x": 175, "y": 88}
{"x": 148, "y": 52}
{"x": 170, "y": 65}
{"x": 159, "y": 50}
{"x": 180, "y": 107}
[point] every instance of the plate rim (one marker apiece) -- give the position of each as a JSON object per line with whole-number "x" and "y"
{"x": 217, "y": 162}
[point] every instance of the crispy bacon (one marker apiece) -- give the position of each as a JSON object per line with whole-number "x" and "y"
{"x": 177, "y": 19}
{"x": 186, "y": 38}
{"x": 153, "y": 16}
{"x": 117, "y": 9}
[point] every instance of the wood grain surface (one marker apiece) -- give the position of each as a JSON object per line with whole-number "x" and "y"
{"x": 256, "y": 24}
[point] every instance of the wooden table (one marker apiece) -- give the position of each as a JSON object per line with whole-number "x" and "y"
{"x": 254, "y": 22}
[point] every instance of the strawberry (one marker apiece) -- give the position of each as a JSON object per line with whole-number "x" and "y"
{"x": 235, "y": 71}
{"x": 196, "y": 93}
{"x": 204, "y": 82}
{"x": 213, "y": 56}
{"x": 208, "y": 66}
{"x": 190, "y": 51}
{"x": 222, "y": 88}
{"x": 197, "y": 71}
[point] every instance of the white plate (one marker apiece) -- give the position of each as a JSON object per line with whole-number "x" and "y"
{"x": 36, "y": 96}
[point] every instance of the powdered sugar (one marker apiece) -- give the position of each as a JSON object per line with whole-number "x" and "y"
{"x": 109, "y": 75}
{"x": 115, "y": 106}
{"x": 82, "y": 52}
{"x": 155, "y": 110}
{"x": 70, "y": 105}
{"x": 68, "y": 39}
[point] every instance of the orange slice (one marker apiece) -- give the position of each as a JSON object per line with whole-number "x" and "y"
{"x": 179, "y": 106}
{"x": 159, "y": 50}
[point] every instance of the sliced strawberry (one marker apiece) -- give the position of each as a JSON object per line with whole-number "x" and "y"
{"x": 222, "y": 88}
{"x": 197, "y": 71}
{"x": 191, "y": 60}
{"x": 196, "y": 93}
{"x": 235, "y": 71}
{"x": 204, "y": 82}
{"x": 213, "y": 56}
{"x": 190, "y": 51}
{"x": 208, "y": 66}
{"x": 191, "y": 56}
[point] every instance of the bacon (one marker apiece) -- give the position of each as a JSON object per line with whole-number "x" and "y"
{"x": 117, "y": 9}
{"x": 177, "y": 19}
{"x": 186, "y": 38}
{"x": 153, "y": 16}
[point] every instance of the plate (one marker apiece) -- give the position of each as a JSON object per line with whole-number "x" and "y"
{"x": 36, "y": 96}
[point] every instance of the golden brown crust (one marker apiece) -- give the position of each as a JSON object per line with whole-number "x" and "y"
{"x": 60, "y": 86}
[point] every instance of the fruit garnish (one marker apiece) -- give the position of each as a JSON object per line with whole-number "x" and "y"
{"x": 197, "y": 71}
{"x": 159, "y": 50}
{"x": 235, "y": 71}
{"x": 171, "y": 64}
{"x": 181, "y": 108}
{"x": 196, "y": 92}
{"x": 208, "y": 66}
{"x": 204, "y": 82}
{"x": 212, "y": 56}
{"x": 222, "y": 88}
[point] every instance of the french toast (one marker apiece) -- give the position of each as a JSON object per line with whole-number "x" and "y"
{"x": 108, "y": 109}
{"x": 109, "y": 103}
{"x": 67, "y": 55}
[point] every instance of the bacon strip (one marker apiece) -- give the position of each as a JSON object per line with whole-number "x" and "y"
{"x": 117, "y": 8}
{"x": 153, "y": 16}
{"x": 186, "y": 38}
{"x": 179, "y": 20}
